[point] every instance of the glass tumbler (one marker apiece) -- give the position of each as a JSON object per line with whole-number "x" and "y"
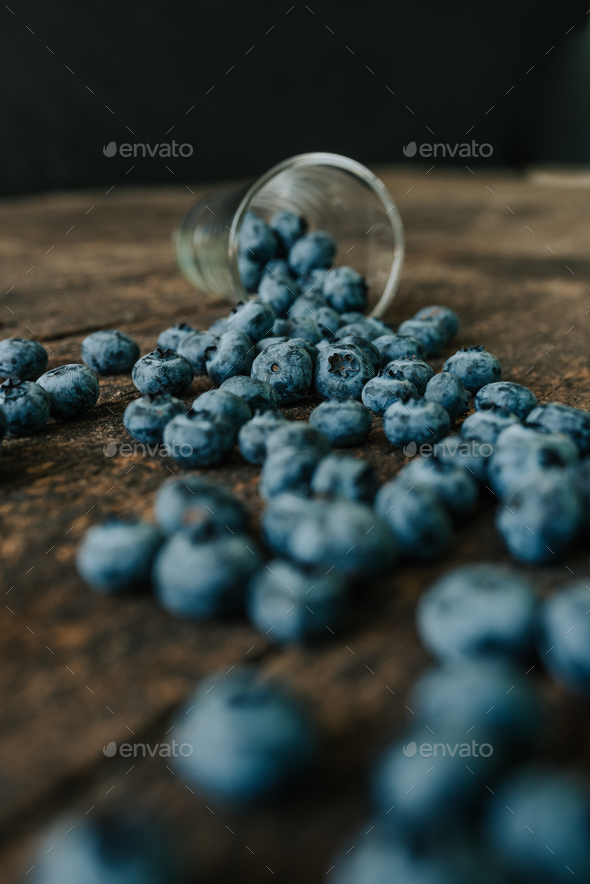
{"x": 334, "y": 193}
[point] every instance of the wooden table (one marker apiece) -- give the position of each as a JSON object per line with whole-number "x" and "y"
{"x": 509, "y": 254}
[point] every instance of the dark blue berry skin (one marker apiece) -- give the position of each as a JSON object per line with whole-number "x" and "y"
{"x": 280, "y": 518}
{"x": 288, "y": 604}
{"x": 522, "y": 450}
{"x": 313, "y": 281}
{"x": 251, "y": 738}
{"x": 307, "y": 306}
{"x": 393, "y": 347}
{"x": 163, "y": 371}
{"x": 199, "y": 440}
{"x": 448, "y": 318}
{"x": 328, "y": 322}
{"x": 279, "y": 291}
{"x": 300, "y": 435}
{"x": 349, "y": 477}
{"x": 415, "y": 420}
{"x": 253, "y": 435}
{"x": 432, "y": 333}
{"x": 366, "y": 346}
{"x": 288, "y": 228}
{"x": 73, "y": 389}
{"x": 311, "y": 349}
{"x": 171, "y": 337}
{"x": 310, "y": 251}
{"x": 279, "y": 329}
{"x": 256, "y": 240}
{"x": 541, "y": 516}
{"x": 572, "y": 422}
{"x": 470, "y": 455}
{"x": 204, "y": 578}
{"x": 22, "y": 359}
{"x": 380, "y": 392}
{"x": 259, "y": 395}
{"x": 255, "y": 318}
{"x": 361, "y": 329}
{"x": 413, "y": 369}
{"x": 223, "y": 403}
{"x": 109, "y": 352}
{"x": 514, "y": 397}
{"x": 345, "y": 290}
{"x": 345, "y": 423}
{"x": 146, "y": 418}
{"x": 268, "y": 342}
{"x": 418, "y": 518}
{"x": 289, "y": 469}
{"x": 117, "y": 557}
{"x": 556, "y": 807}
{"x": 303, "y": 327}
{"x": 195, "y": 503}
{"x": 287, "y": 368}
{"x": 278, "y": 267}
{"x": 448, "y": 390}
{"x": 233, "y": 353}
{"x": 480, "y": 610}
{"x": 341, "y": 372}
{"x": 566, "y": 651}
{"x": 452, "y": 485}
{"x": 488, "y": 424}
{"x": 25, "y": 406}
{"x": 250, "y": 272}
{"x": 194, "y": 347}
{"x": 475, "y": 366}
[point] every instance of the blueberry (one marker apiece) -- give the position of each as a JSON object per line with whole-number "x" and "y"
{"x": 418, "y": 519}
{"x": 193, "y": 502}
{"x": 163, "y": 371}
{"x": 201, "y": 578}
{"x": 250, "y": 272}
{"x": 380, "y": 392}
{"x": 288, "y": 604}
{"x": 219, "y": 326}
{"x": 448, "y": 390}
{"x": 22, "y": 359}
{"x": 351, "y": 316}
{"x": 279, "y": 292}
{"x": 361, "y": 329}
{"x": 371, "y": 352}
{"x": 303, "y": 327}
{"x": 73, "y": 389}
{"x": 281, "y": 516}
{"x": 250, "y": 738}
{"x": 313, "y": 281}
{"x": 279, "y": 329}
{"x": 310, "y": 251}
{"x": 233, "y": 353}
{"x": 565, "y": 651}
{"x": 298, "y": 434}
{"x": 553, "y": 805}
{"x": 307, "y": 306}
{"x": 199, "y": 440}
{"x": 448, "y": 318}
{"x": 415, "y": 420}
{"x": 514, "y": 397}
{"x": 471, "y": 455}
{"x": 289, "y": 469}
{"x": 452, "y": 485}
{"x": 117, "y": 556}
{"x": 345, "y": 423}
{"x": 572, "y": 422}
{"x": 311, "y": 349}
{"x": 399, "y": 347}
{"x": 253, "y": 435}
{"x": 194, "y": 348}
{"x": 345, "y": 289}
{"x": 277, "y": 267}
{"x": 413, "y": 369}
{"x": 524, "y": 450}
{"x": 256, "y": 239}
{"x": 171, "y": 337}
{"x": 328, "y": 322}
{"x": 24, "y": 407}
{"x": 541, "y": 516}
{"x": 254, "y": 318}
{"x": 349, "y": 477}
{"x": 222, "y": 403}
{"x": 146, "y": 418}
{"x": 341, "y": 372}
{"x": 268, "y": 342}
{"x": 109, "y": 352}
{"x": 431, "y": 332}
{"x": 288, "y": 228}
{"x": 256, "y": 393}
{"x": 480, "y": 610}
{"x": 488, "y": 424}
{"x": 286, "y": 368}
{"x": 475, "y": 366}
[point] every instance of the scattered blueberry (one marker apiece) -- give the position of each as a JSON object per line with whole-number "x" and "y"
{"x": 288, "y": 469}
{"x": 380, "y": 392}
{"x": 313, "y": 281}
{"x": 288, "y": 228}
{"x": 413, "y": 369}
{"x": 298, "y": 434}
{"x": 117, "y": 556}
{"x": 449, "y": 391}
{"x": 171, "y": 337}
{"x": 307, "y": 306}
{"x": 280, "y": 329}
{"x": 360, "y": 329}
{"x": 452, "y": 485}
{"x": 521, "y": 451}
{"x": 258, "y": 394}
{"x": 250, "y": 272}
{"x": 281, "y": 516}
{"x": 254, "y": 318}
{"x": 349, "y": 477}
{"x": 24, "y": 406}
{"x": 345, "y": 290}
{"x": 256, "y": 239}
{"x": 73, "y": 389}
{"x": 431, "y": 332}
{"x": 393, "y": 347}
{"x": 565, "y": 651}
{"x": 488, "y": 423}
{"x": 233, "y": 353}
{"x": 194, "y": 348}
{"x": 475, "y": 366}
{"x": 341, "y": 372}
{"x": 415, "y": 420}
{"x": 303, "y": 327}
{"x": 194, "y": 502}
{"x": 199, "y": 440}
{"x": 279, "y": 291}
{"x": 219, "y": 327}
{"x": 163, "y": 371}
{"x": 145, "y": 418}
{"x": 253, "y": 435}
{"x": 311, "y": 251}
{"x": 286, "y": 368}
{"x": 371, "y": 352}
{"x": 109, "y": 352}
{"x": 419, "y": 520}
{"x": 471, "y": 455}
{"x": 514, "y": 397}
{"x": 22, "y": 359}
{"x": 225, "y": 404}
{"x": 345, "y": 423}
{"x": 267, "y": 342}
{"x": 448, "y": 318}
{"x": 572, "y": 422}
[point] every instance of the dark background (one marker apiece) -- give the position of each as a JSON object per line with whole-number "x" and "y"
{"x": 150, "y": 67}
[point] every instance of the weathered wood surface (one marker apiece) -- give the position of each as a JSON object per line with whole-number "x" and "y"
{"x": 78, "y": 670}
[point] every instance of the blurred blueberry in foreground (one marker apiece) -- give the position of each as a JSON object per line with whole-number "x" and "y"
{"x": 253, "y": 435}
{"x": 73, "y": 389}
{"x": 564, "y": 639}
{"x": 289, "y": 469}
{"x": 200, "y": 440}
{"x": 117, "y": 556}
{"x": 109, "y": 352}
{"x": 24, "y": 405}
{"x": 146, "y": 418}
{"x": 523, "y": 450}
{"x": 470, "y": 455}
{"x": 345, "y": 423}
{"x": 415, "y": 420}
{"x": 454, "y": 487}
{"x": 298, "y": 434}
{"x": 558, "y": 418}
{"x": 419, "y": 520}
{"x": 194, "y": 502}
{"x": 488, "y": 423}
{"x": 222, "y": 403}
{"x": 349, "y": 477}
